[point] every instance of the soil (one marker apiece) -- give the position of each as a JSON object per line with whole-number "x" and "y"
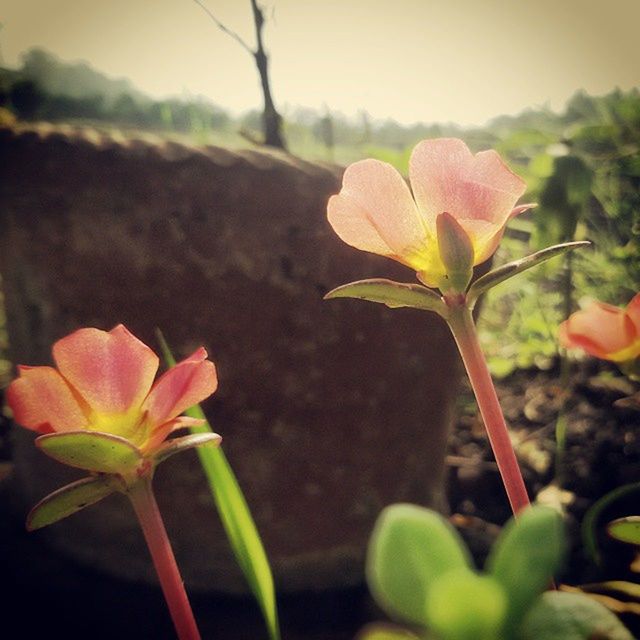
{"x": 602, "y": 453}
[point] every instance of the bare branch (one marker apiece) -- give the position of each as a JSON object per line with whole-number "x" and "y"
{"x": 224, "y": 28}
{"x": 258, "y": 18}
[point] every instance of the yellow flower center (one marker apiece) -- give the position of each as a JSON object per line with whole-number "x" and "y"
{"x": 131, "y": 425}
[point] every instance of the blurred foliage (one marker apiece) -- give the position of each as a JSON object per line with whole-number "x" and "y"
{"x": 582, "y": 167}
{"x": 584, "y": 171}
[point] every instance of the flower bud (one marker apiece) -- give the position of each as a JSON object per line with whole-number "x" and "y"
{"x": 456, "y": 253}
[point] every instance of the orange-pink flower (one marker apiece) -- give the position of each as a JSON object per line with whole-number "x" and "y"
{"x": 104, "y": 382}
{"x": 604, "y": 331}
{"x": 375, "y": 210}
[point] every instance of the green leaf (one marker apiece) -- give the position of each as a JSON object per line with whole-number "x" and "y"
{"x": 92, "y": 451}
{"x": 500, "y": 274}
{"x": 176, "y": 445}
{"x": 393, "y": 294}
{"x": 379, "y": 631}
{"x": 67, "y": 500}
{"x": 541, "y": 165}
{"x": 523, "y": 560}
{"x": 466, "y": 606}
{"x": 625, "y": 529}
{"x": 589, "y": 526}
{"x": 571, "y": 616}
{"x": 236, "y": 518}
{"x": 410, "y": 549}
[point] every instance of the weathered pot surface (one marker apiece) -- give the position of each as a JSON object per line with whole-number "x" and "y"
{"x": 329, "y": 410}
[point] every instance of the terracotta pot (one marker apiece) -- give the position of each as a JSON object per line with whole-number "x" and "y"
{"x": 328, "y": 410}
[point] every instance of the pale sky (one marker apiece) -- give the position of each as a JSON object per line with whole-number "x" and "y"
{"x": 462, "y": 61}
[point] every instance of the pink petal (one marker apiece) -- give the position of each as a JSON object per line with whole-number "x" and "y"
{"x": 41, "y": 400}
{"x": 633, "y": 311}
{"x": 445, "y": 176}
{"x": 113, "y": 371}
{"x": 521, "y": 208}
{"x": 161, "y": 432}
{"x": 600, "y": 329}
{"x": 375, "y": 212}
{"x": 183, "y": 386}
{"x": 485, "y": 236}
{"x": 182, "y": 422}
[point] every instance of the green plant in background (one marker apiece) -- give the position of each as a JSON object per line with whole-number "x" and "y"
{"x": 591, "y": 521}
{"x": 626, "y": 529}
{"x": 420, "y": 573}
{"x": 584, "y": 170}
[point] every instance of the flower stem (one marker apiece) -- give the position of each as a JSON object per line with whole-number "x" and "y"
{"x": 464, "y": 331}
{"x": 144, "y": 503}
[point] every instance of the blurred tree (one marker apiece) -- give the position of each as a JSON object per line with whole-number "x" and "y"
{"x": 76, "y": 80}
{"x": 60, "y": 107}
{"x": 271, "y": 119}
{"x": 26, "y": 98}
{"x": 365, "y": 120}
{"x": 4, "y": 93}
{"x": 126, "y": 110}
{"x": 563, "y": 201}
{"x": 323, "y": 130}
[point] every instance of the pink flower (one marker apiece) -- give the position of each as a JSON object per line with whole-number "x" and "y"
{"x": 604, "y": 331}
{"x": 104, "y": 383}
{"x": 375, "y": 210}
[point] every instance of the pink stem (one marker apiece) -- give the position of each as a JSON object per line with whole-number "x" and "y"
{"x": 464, "y": 331}
{"x": 146, "y": 508}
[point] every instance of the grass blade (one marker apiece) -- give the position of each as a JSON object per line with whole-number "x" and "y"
{"x": 589, "y": 527}
{"x": 236, "y": 517}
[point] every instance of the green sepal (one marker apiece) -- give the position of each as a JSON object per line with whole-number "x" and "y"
{"x": 523, "y": 560}
{"x": 410, "y": 549}
{"x": 176, "y": 445}
{"x": 506, "y": 271}
{"x": 70, "y": 499}
{"x": 456, "y": 253}
{"x": 625, "y": 529}
{"x": 571, "y": 616}
{"x": 393, "y": 294}
{"x": 92, "y": 451}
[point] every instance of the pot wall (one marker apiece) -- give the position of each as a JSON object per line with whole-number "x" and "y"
{"x": 329, "y": 410}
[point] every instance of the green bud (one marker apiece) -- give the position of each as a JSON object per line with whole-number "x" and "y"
{"x": 456, "y": 252}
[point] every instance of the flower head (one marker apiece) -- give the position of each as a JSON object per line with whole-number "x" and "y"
{"x": 375, "y": 210}
{"x": 604, "y": 331}
{"x": 104, "y": 382}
